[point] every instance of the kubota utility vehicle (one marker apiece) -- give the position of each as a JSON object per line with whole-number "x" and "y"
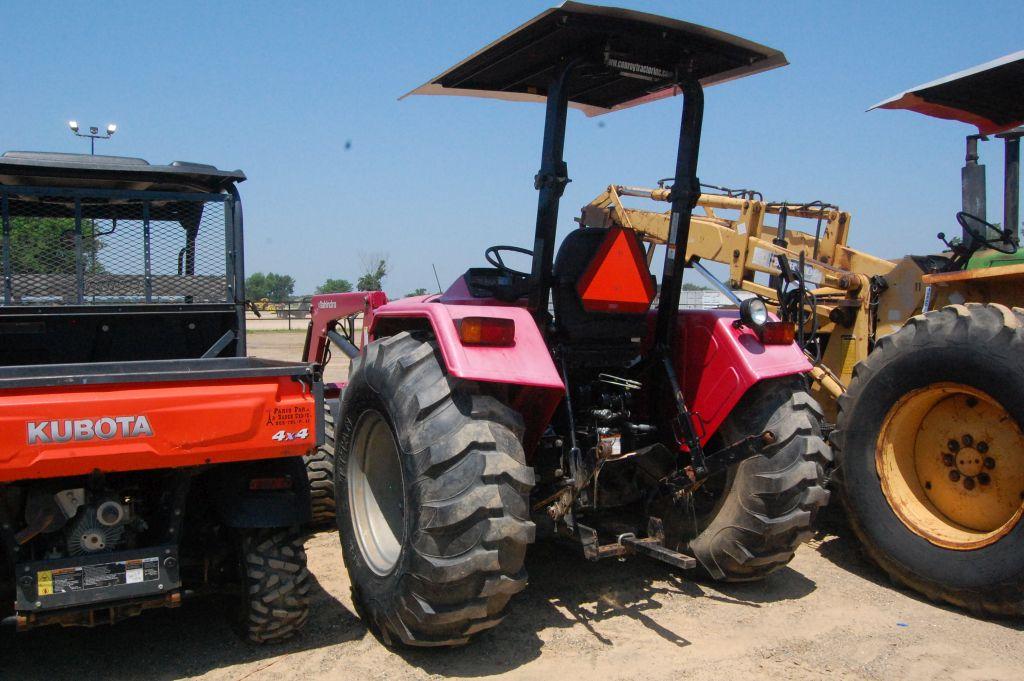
{"x": 918, "y": 359}
{"x": 143, "y": 456}
{"x": 471, "y": 415}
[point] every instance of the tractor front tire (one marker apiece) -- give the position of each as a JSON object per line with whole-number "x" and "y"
{"x": 765, "y": 506}
{"x": 320, "y": 472}
{"x": 275, "y": 598}
{"x": 931, "y": 456}
{"x": 432, "y": 491}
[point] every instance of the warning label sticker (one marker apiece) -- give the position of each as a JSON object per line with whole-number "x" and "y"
{"x": 289, "y": 416}
{"x": 72, "y": 579}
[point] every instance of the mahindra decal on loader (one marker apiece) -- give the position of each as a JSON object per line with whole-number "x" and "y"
{"x": 143, "y": 456}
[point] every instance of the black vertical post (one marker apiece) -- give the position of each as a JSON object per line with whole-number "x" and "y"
{"x": 1011, "y": 184}
{"x": 5, "y": 216}
{"x": 79, "y": 256}
{"x": 238, "y": 279}
{"x": 550, "y": 181}
{"x": 685, "y": 192}
{"x": 147, "y": 254}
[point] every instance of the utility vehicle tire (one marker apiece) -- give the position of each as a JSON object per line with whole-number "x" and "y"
{"x": 931, "y": 456}
{"x": 765, "y": 506}
{"x": 275, "y": 600}
{"x": 320, "y": 471}
{"x": 432, "y": 491}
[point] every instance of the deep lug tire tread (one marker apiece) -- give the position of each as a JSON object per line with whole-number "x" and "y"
{"x": 320, "y": 471}
{"x": 996, "y": 332}
{"x": 276, "y": 598}
{"x": 774, "y": 497}
{"x": 470, "y": 487}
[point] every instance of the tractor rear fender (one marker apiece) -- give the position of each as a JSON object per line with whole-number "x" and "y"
{"x": 525, "y": 366}
{"x": 718, "y": 363}
{"x": 265, "y": 493}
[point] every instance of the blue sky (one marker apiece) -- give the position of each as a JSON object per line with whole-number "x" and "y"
{"x": 277, "y": 89}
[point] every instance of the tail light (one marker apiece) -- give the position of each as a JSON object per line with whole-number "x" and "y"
{"x": 486, "y": 331}
{"x": 777, "y": 333}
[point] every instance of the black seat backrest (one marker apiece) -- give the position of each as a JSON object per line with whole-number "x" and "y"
{"x": 577, "y": 326}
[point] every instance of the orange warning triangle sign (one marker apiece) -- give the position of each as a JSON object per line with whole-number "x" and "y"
{"x": 617, "y": 279}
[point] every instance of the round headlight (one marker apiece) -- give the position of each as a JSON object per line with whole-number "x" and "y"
{"x": 753, "y": 312}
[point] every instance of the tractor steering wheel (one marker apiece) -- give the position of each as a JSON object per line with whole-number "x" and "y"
{"x": 493, "y": 256}
{"x": 978, "y": 229}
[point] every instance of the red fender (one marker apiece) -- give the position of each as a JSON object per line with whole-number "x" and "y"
{"x": 717, "y": 363}
{"x": 526, "y": 366}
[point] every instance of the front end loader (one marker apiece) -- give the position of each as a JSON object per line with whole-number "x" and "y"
{"x": 917, "y": 361}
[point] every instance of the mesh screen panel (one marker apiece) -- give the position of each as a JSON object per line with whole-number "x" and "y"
{"x": 59, "y": 250}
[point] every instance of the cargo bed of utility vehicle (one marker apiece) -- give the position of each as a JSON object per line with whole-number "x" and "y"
{"x": 72, "y": 419}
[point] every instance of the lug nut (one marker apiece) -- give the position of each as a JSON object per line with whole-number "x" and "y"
{"x": 953, "y": 445}
{"x": 983, "y": 478}
{"x": 948, "y": 459}
{"x": 982, "y": 447}
{"x": 954, "y": 476}
{"x": 968, "y": 483}
{"x": 967, "y": 440}
{"x": 990, "y": 463}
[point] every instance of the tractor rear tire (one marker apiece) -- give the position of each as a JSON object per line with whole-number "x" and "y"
{"x": 768, "y": 503}
{"x": 275, "y": 601}
{"x": 320, "y": 471}
{"x": 947, "y": 525}
{"x": 432, "y": 491}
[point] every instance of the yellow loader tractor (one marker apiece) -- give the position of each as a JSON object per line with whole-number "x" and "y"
{"x": 918, "y": 362}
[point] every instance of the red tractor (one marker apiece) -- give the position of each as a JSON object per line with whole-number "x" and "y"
{"x": 562, "y": 398}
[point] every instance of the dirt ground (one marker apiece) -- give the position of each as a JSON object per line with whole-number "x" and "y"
{"x": 829, "y": 615}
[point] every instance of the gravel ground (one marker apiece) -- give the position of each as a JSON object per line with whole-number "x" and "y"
{"x": 830, "y": 615}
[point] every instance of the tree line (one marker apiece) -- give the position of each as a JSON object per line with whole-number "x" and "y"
{"x": 279, "y": 287}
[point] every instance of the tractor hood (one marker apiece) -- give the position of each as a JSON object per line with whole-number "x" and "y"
{"x": 988, "y": 96}
{"x": 628, "y": 58}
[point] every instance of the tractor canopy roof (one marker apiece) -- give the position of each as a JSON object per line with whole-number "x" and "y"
{"x": 987, "y": 96}
{"x": 629, "y": 58}
{"x": 49, "y": 169}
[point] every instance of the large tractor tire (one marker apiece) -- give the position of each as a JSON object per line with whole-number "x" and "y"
{"x": 749, "y": 521}
{"x": 320, "y": 471}
{"x": 432, "y": 491}
{"x": 931, "y": 456}
{"x": 275, "y": 599}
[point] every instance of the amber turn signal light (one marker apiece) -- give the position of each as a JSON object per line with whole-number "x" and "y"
{"x": 486, "y": 331}
{"x": 777, "y": 333}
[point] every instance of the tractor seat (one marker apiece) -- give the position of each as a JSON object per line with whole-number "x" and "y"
{"x": 594, "y": 338}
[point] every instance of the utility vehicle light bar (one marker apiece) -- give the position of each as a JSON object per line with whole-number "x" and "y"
{"x": 987, "y": 96}
{"x": 629, "y": 58}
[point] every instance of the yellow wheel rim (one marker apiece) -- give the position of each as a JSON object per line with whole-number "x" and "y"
{"x": 951, "y": 463}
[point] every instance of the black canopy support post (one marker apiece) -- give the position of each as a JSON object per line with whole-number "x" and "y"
{"x": 685, "y": 193}
{"x": 1011, "y": 182}
{"x": 550, "y": 182}
{"x": 972, "y": 185}
{"x": 5, "y": 217}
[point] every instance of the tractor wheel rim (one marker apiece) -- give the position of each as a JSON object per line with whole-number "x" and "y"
{"x": 951, "y": 463}
{"x": 376, "y": 492}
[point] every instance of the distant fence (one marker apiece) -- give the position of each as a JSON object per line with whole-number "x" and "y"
{"x": 285, "y": 315}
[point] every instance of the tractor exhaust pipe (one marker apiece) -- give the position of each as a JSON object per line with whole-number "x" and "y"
{"x": 972, "y": 185}
{"x": 1011, "y": 180}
